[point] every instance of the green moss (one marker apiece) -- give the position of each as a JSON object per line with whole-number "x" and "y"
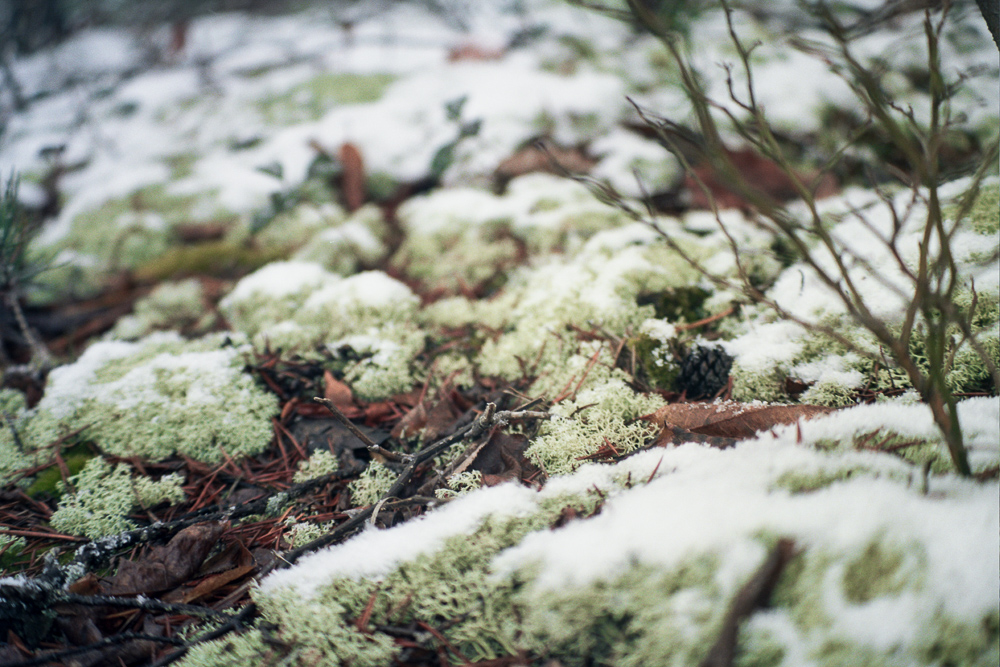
{"x": 234, "y": 650}
{"x": 605, "y": 414}
{"x": 880, "y": 570}
{"x": 104, "y": 497}
{"x": 321, "y": 462}
{"x": 985, "y": 214}
{"x": 643, "y": 616}
{"x": 216, "y": 258}
{"x": 804, "y": 482}
{"x": 158, "y": 397}
{"x": 678, "y": 304}
{"x": 371, "y": 485}
{"x": 49, "y": 481}
{"x": 170, "y": 305}
{"x": 655, "y": 361}
{"x": 310, "y": 100}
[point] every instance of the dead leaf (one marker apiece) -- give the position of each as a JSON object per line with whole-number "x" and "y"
{"x": 728, "y": 419}
{"x": 352, "y": 183}
{"x": 208, "y": 585}
{"x": 164, "y": 567}
{"x": 340, "y": 395}
{"x": 532, "y": 159}
{"x": 502, "y": 459}
{"x": 430, "y": 423}
{"x": 759, "y": 173}
{"x": 473, "y": 52}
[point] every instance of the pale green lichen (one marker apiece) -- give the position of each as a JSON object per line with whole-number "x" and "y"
{"x": 460, "y": 484}
{"x": 356, "y": 242}
{"x": 171, "y": 305}
{"x": 642, "y": 616}
{"x": 234, "y": 650}
{"x": 798, "y": 481}
{"x": 380, "y": 362}
{"x": 602, "y": 416}
{"x": 371, "y": 485}
{"x": 105, "y": 496}
{"x": 321, "y": 462}
{"x": 300, "y": 533}
{"x": 984, "y": 217}
{"x": 159, "y": 396}
{"x": 310, "y": 100}
{"x": 122, "y": 233}
{"x": 299, "y": 306}
{"x": 293, "y": 228}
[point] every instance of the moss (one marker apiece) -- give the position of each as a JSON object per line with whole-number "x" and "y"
{"x": 606, "y": 414}
{"x": 234, "y": 650}
{"x": 879, "y": 570}
{"x": 170, "y": 305}
{"x": 678, "y": 304}
{"x": 310, "y": 100}
{"x": 157, "y": 397}
{"x": 803, "y": 482}
{"x": 655, "y": 361}
{"x": 105, "y": 496}
{"x": 371, "y": 485}
{"x": 321, "y": 462}
{"x": 221, "y": 257}
{"x": 984, "y": 217}
{"x": 49, "y": 481}
{"x": 643, "y": 616}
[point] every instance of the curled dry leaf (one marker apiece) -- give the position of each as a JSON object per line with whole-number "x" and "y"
{"x": 340, "y": 395}
{"x": 166, "y": 566}
{"x": 728, "y": 420}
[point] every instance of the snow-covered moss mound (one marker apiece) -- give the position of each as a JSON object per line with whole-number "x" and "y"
{"x": 159, "y": 396}
{"x": 661, "y": 545}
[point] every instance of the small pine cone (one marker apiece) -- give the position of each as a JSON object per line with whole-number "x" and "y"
{"x": 704, "y": 372}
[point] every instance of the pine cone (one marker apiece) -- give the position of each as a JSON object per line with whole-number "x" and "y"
{"x": 704, "y": 372}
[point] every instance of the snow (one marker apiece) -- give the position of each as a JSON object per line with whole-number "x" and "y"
{"x": 370, "y": 289}
{"x": 279, "y": 279}
{"x": 374, "y": 553}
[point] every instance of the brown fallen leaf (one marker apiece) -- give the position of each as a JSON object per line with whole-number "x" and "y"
{"x": 533, "y": 158}
{"x": 166, "y": 566}
{"x": 728, "y": 419}
{"x": 761, "y": 174}
{"x": 352, "y": 183}
{"x": 340, "y": 395}
{"x": 208, "y": 585}
{"x": 473, "y": 52}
